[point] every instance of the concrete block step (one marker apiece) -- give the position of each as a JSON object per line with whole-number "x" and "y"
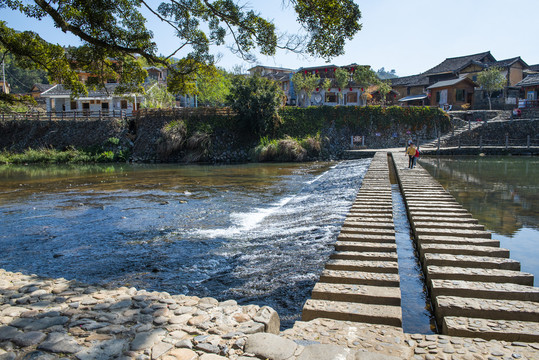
{"x": 437, "y": 224}
{"x": 367, "y": 231}
{"x": 462, "y": 214}
{"x": 365, "y": 246}
{"x": 475, "y": 274}
{"x": 369, "y": 225}
{"x": 390, "y": 267}
{"x": 375, "y": 238}
{"x": 437, "y": 206}
{"x": 365, "y": 211}
{"x": 449, "y": 220}
{"x": 355, "y": 255}
{"x": 457, "y": 240}
{"x": 367, "y": 206}
{"x": 359, "y": 278}
{"x": 452, "y": 232}
{"x": 484, "y": 262}
{"x": 345, "y": 311}
{"x": 483, "y": 290}
{"x": 456, "y": 212}
{"x": 453, "y": 249}
{"x": 489, "y": 329}
{"x": 368, "y": 220}
{"x": 365, "y": 294}
{"x": 486, "y": 308}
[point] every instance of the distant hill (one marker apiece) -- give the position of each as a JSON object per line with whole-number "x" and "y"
{"x": 383, "y": 74}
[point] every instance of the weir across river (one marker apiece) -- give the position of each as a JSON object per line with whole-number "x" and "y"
{"x": 476, "y": 289}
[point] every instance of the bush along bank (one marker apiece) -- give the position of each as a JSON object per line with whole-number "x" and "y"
{"x": 211, "y": 136}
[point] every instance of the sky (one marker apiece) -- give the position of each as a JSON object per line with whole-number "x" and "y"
{"x": 410, "y": 36}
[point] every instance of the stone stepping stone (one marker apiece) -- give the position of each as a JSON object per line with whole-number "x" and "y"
{"x": 457, "y": 240}
{"x": 481, "y": 275}
{"x": 368, "y": 225}
{"x": 496, "y": 309}
{"x": 359, "y": 278}
{"x": 365, "y": 246}
{"x": 461, "y": 214}
{"x": 452, "y": 249}
{"x": 356, "y": 255}
{"x": 368, "y": 313}
{"x": 435, "y": 224}
{"x": 438, "y": 205}
{"x": 489, "y": 329}
{"x": 351, "y": 220}
{"x": 484, "y": 262}
{"x": 374, "y": 238}
{"x": 503, "y": 291}
{"x": 367, "y": 231}
{"x": 367, "y": 206}
{"x": 440, "y": 219}
{"x": 453, "y": 232}
{"x": 390, "y": 267}
{"x": 364, "y": 294}
{"x": 369, "y": 211}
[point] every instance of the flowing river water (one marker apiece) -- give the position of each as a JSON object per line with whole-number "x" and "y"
{"x": 257, "y": 233}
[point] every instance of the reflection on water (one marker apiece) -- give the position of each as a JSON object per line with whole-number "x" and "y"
{"x": 255, "y": 233}
{"x": 502, "y": 193}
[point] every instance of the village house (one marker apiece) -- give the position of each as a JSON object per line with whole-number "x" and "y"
{"x": 443, "y": 85}
{"x": 530, "y": 87}
{"x": 103, "y": 101}
{"x": 350, "y": 95}
{"x": 281, "y": 75}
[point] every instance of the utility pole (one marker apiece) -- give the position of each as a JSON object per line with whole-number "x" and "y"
{"x": 3, "y": 77}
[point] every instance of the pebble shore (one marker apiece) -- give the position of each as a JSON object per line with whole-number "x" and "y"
{"x": 46, "y": 319}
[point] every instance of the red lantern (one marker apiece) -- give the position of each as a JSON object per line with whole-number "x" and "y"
{"x": 361, "y": 89}
{"x": 329, "y": 89}
{"x": 305, "y": 72}
{"x": 350, "y": 89}
{"x": 316, "y": 89}
{"x": 339, "y": 89}
{"x": 395, "y": 95}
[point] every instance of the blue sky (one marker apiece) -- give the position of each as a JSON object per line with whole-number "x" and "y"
{"x": 409, "y": 36}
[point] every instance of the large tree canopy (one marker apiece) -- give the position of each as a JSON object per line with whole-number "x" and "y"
{"x": 114, "y": 33}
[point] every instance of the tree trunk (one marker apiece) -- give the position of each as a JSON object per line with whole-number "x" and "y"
{"x": 489, "y": 103}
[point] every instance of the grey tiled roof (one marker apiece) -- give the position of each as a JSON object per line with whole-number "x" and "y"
{"x": 60, "y": 90}
{"x": 451, "y": 82}
{"x": 457, "y": 63}
{"x": 506, "y": 62}
{"x": 534, "y": 67}
{"x": 412, "y": 80}
{"x": 530, "y": 80}
{"x": 42, "y": 87}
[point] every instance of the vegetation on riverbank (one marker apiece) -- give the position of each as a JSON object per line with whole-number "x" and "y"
{"x": 110, "y": 152}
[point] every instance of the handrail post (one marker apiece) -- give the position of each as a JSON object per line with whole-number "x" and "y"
{"x": 480, "y": 142}
{"x": 506, "y": 141}
{"x": 528, "y": 141}
{"x": 458, "y": 142}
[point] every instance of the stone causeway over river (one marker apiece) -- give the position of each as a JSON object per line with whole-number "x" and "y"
{"x": 485, "y": 308}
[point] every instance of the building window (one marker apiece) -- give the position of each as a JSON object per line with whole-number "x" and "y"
{"x": 438, "y": 97}
{"x": 331, "y": 97}
{"x": 73, "y": 105}
{"x": 123, "y": 104}
{"x": 351, "y": 97}
{"x": 474, "y": 78}
{"x": 460, "y": 95}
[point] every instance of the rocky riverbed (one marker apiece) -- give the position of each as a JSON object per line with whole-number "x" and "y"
{"x": 46, "y": 319}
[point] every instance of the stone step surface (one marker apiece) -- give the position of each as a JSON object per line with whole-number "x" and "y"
{"x": 349, "y": 226}
{"x": 486, "y": 308}
{"x": 434, "y": 224}
{"x": 457, "y": 240}
{"x": 481, "y": 275}
{"x": 390, "y": 267}
{"x": 365, "y": 246}
{"x": 369, "y": 313}
{"x": 367, "y": 231}
{"x": 365, "y": 294}
{"x": 469, "y": 261}
{"x": 463, "y": 250}
{"x": 452, "y": 221}
{"x": 369, "y": 238}
{"x": 355, "y": 255}
{"x": 452, "y": 232}
{"x": 490, "y": 329}
{"x": 483, "y": 290}
{"x": 359, "y": 278}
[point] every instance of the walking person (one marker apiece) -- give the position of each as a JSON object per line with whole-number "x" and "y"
{"x": 410, "y": 151}
{"x": 416, "y": 156}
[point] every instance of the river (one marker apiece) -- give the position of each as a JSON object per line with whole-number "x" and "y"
{"x": 256, "y": 233}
